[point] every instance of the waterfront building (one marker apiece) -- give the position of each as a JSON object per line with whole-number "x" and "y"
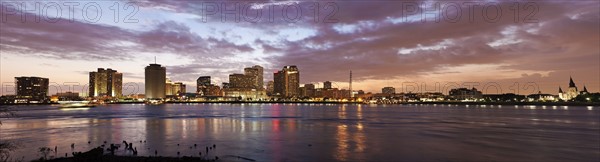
{"x": 202, "y": 83}
{"x": 256, "y": 72}
{"x": 245, "y": 94}
{"x": 388, "y": 90}
{"x": 327, "y": 85}
{"x": 540, "y": 97}
{"x": 571, "y": 92}
{"x": 506, "y": 97}
{"x": 287, "y": 81}
{"x": 212, "y": 90}
{"x": 270, "y": 88}
{"x": 465, "y": 94}
{"x": 177, "y": 88}
{"x": 66, "y": 96}
{"x": 105, "y": 83}
{"x": 174, "y": 88}
{"x": 307, "y": 91}
{"x": 242, "y": 81}
{"x": 168, "y": 87}
{"x": 155, "y": 79}
{"x": 31, "y": 89}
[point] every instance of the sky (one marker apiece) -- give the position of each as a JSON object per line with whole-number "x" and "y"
{"x": 415, "y": 46}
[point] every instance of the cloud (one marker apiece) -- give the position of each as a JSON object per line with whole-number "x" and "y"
{"x": 82, "y": 41}
{"x": 378, "y": 41}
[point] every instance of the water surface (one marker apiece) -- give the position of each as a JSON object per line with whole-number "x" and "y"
{"x": 316, "y": 132}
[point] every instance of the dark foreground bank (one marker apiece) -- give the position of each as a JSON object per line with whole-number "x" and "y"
{"x": 97, "y": 155}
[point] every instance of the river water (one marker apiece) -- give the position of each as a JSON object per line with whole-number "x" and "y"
{"x": 315, "y": 132}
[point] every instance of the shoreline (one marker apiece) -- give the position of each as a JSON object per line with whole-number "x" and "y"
{"x": 326, "y": 102}
{"x": 98, "y": 154}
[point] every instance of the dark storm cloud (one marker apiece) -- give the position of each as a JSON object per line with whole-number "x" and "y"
{"x": 81, "y": 41}
{"x": 367, "y": 39}
{"x": 60, "y": 40}
{"x": 373, "y": 51}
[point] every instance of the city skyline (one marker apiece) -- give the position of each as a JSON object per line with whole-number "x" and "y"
{"x": 380, "y": 50}
{"x": 290, "y": 80}
{"x": 108, "y": 83}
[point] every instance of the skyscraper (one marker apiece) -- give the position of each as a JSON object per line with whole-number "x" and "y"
{"x": 105, "y": 83}
{"x": 270, "y": 87}
{"x": 287, "y": 81}
{"x": 168, "y": 87}
{"x": 309, "y": 90}
{"x": 155, "y": 79}
{"x": 31, "y": 87}
{"x": 178, "y": 88}
{"x": 327, "y": 85}
{"x": 278, "y": 84}
{"x": 202, "y": 83}
{"x": 257, "y": 73}
{"x": 241, "y": 81}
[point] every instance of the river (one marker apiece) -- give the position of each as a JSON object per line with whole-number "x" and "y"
{"x": 315, "y": 132}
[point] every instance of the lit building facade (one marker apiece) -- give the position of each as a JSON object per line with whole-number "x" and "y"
{"x": 270, "y": 88}
{"x": 287, "y": 82}
{"x": 202, "y": 83}
{"x": 465, "y": 94}
{"x": 388, "y": 90}
{"x": 155, "y": 79}
{"x": 245, "y": 94}
{"x": 34, "y": 88}
{"x": 307, "y": 91}
{"x": 212, "y": 90}
{"x": 327, "y": 85}
{"x": 178, "y": 88}
{"x": 241, "y": 81}
{"x": 105, "y": 83}
{"x": 571, "y": 92}
{"x": 174, "y": 88}
{"x": 256, "y": 72}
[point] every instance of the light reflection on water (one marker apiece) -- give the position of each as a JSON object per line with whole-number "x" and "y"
{"x": 309, "y": 132}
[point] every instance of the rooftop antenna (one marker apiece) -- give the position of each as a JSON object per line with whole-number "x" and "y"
{"x": 350, "y": 86}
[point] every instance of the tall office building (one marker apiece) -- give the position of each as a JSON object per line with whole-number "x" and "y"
{"x": 31, "y": 87}
{"x": 327, "y": 85}
{"x": 241, "y": 81}
{"x": 287, "y": 81}
{"x": 310, "y": 90}
{"x": 279, "y": 83}
{"x": 155, "y": 79}
{"x": 202, "y": 83}
{"x": 270, "y": 88}
{"x": 179, "y": 88}
{"x": 105, "y": 82}
{"x": 168, "y": 87}
{"x": 256, "y": 72}
{"x": 176, "y": 88}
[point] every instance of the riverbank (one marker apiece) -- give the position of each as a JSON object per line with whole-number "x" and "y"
{"x": 351, "y": 102}
{"x": 111, "y": 158}
{"x": 97, "y": 155}
{"x": 509, "y": 103}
